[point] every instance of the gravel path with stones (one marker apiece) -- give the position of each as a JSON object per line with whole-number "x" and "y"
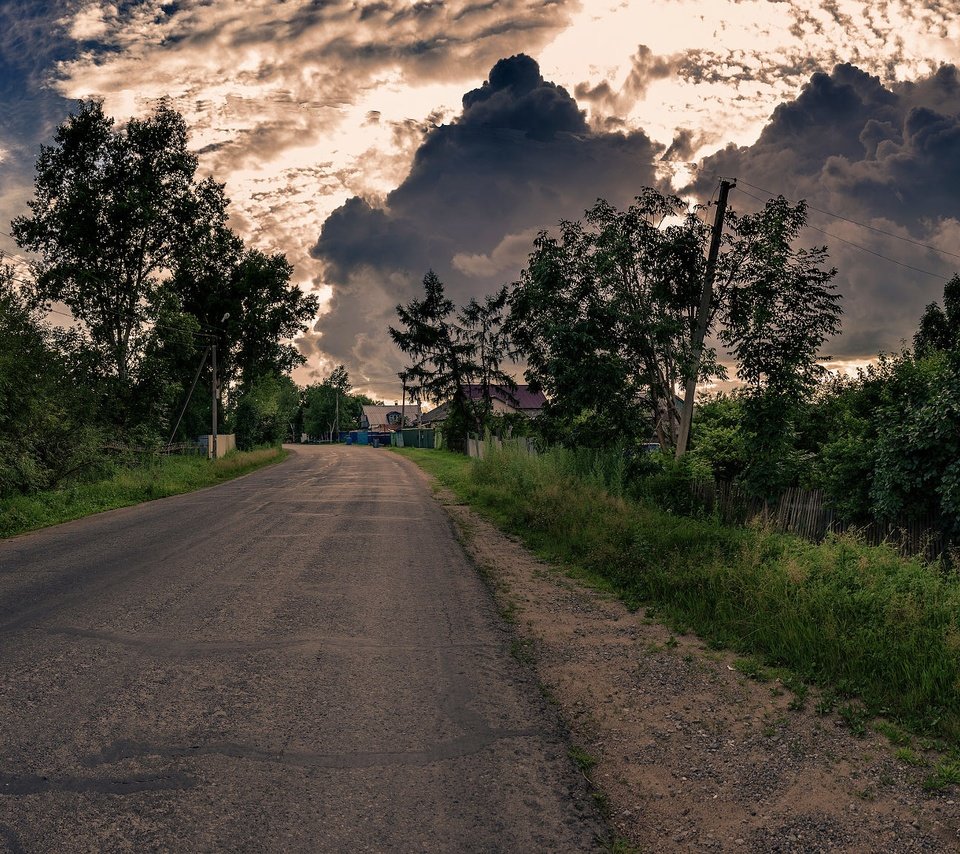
{"x": 691, "y": 754}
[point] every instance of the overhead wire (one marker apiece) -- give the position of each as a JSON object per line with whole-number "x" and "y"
{"x": 28, "y": 263}
{"x": 152, "y": 324}
{"x": 852, "y": 221}
{"x": 852, "y": 243}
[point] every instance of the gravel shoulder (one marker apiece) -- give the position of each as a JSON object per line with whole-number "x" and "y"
{"x": 690, "y": 753}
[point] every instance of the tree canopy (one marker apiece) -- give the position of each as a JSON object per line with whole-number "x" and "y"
{"x": 456, "y": 356}
{"x": 605, "y": 313}
{"x": 139, "y": 249}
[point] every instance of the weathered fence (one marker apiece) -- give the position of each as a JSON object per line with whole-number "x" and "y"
{"x": 806, "y": 513}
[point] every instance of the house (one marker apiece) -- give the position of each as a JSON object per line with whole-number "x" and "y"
{"x": 386, "y": 419}
{"x": 504, "y": 400}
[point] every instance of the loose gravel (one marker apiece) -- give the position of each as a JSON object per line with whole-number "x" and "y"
{"x": 691, "y": 754}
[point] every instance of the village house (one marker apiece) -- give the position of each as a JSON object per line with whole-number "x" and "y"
{"x": 386, "y": 419}
{"x": 504, "y": 400}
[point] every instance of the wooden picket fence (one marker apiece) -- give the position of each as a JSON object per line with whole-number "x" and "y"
{"x": 478, "y": 448}
{"x": 806, "y": 513}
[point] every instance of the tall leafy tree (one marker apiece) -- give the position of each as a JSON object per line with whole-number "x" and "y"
{"x": 784, "y": 309}
{"x": 604, "y": 316}
{"x": 266, "y": 311}
{"x": 111, "y": 209}
{"x": 242, "y": 297}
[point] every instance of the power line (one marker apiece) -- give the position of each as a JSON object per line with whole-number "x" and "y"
{"x": 854, "y": 222}
{"x": 851, "y": 243}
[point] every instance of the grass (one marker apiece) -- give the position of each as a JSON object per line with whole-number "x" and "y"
{"x": 909, "y": 756}
{"x": 946, "y": 773}
{"x": 125, "y": 486}
{"x": 861, "y": 622}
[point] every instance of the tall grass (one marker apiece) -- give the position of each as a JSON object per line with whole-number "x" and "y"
{"x": 859, "y": 619}
{"x": 126, "y": 485}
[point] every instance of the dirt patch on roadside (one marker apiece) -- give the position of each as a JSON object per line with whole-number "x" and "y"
{"x": 691, "y": 754}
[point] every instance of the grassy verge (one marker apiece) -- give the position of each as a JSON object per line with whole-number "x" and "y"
{"x": 127, "y": 485}
{"x": 859, "y": 620}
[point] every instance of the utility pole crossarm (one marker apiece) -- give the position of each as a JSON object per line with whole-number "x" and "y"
{"x": 703, "y": 319}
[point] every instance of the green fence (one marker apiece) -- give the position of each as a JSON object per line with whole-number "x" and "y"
{"x": 414, "y": 439}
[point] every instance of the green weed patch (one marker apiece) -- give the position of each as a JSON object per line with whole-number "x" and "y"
{"x": 860, "y": 621}
{"x": 125, "y": 486}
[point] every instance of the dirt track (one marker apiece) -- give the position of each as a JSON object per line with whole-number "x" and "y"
{"x": 693, "y": 756}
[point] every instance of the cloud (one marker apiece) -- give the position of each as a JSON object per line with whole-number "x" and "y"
{"x": 882, "y": 155}
{"x": 298, "y": 106}
{"x": 645, "y": 68}
{"x": 508, "y": 256}
{"x": 518, "y": 158}
{"x": 32, "y": 39}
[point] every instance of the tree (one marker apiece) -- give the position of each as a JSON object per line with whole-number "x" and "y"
{"x": 266, "y": 411}
{"x": 172, "y": 349}
{"x": 329, "y": 405}
{"x": 719, "y": 450}
{"x": 269, "y": 312}
{"x": 940, "y": 328}
{"x": 47, "y": 414}
{"x": 776, "y": 320}
{"x": 605, "y": 317}
{"x": 442, "y": 359}
{"x": 111, "y": 210}
{"x": 215, "y": 277}
{"x": 482, "y": 329}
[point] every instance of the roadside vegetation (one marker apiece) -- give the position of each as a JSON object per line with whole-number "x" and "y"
{"x": 869, "y": 626}
{"x": 606, "y": 317}
{"x": 124, "y": 483}
{"x": 87, "y": 395}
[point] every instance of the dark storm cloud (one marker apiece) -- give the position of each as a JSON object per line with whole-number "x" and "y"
{"x": 887, "y": 156}
{"x": 518, "y": 158}
{"x": 682, "y": 147}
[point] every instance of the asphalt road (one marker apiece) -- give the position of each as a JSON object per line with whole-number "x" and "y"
{"x": 302, "y": 659}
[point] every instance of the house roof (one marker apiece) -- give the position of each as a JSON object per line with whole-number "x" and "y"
{"x": 437, "y": 414}
{"x": 520, "y": 398}
{"x": 377, "y": 415}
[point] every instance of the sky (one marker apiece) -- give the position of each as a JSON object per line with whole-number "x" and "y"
{"x": 372, "y": 140}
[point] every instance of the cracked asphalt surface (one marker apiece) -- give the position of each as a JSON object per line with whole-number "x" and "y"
{"x": 302, "y": 659}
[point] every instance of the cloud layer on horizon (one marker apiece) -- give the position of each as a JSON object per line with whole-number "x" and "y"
{"x": 301, "y": 106}
{"x": 518, "y": 158}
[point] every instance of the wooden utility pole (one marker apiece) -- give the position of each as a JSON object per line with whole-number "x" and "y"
{"x": 703, "y": 319}
{"x": 213, "y": 406}
{"x": 336, "y": 414}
